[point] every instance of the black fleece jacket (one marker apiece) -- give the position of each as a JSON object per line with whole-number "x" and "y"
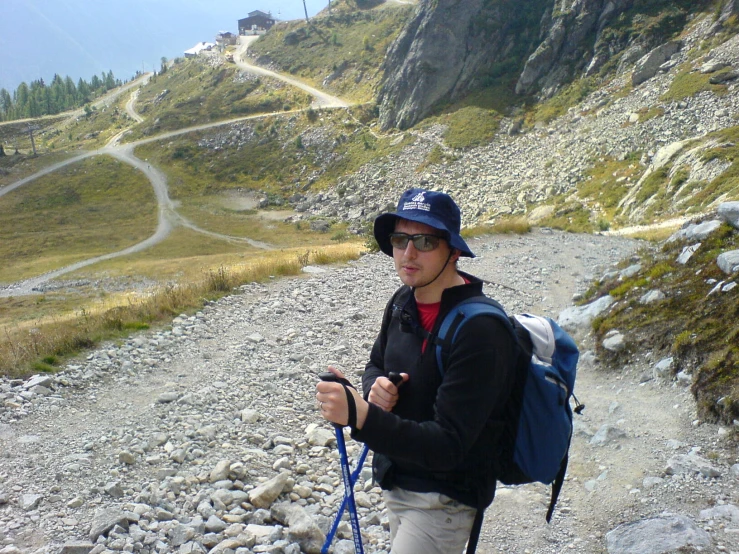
{"x": 442, "y": 433}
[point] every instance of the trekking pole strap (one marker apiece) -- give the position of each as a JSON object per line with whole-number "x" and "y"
{"x": 475, "y": 532}
{"x": 350, "y": 403}
{"x": 557, "y": 487}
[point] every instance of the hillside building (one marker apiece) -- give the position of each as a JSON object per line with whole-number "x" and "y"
{"x": 198, "y": 48}
{"x": 225, "y": 38}
{"x": 257, "y": 23}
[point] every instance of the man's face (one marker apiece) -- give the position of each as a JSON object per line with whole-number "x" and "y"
{"x": 415, "y": 268}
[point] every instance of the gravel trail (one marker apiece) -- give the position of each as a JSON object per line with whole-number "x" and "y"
{"x": 173, "y": 434}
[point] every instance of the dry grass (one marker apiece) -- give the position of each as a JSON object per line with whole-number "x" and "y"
{"x": 504, "y": 226}
{"x": 29, "y": 347}
{"x": 658, "y": 234}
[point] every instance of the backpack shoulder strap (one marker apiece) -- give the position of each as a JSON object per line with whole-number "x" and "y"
{"x": 460, "y": 314}
{"x": 396, "y": 303}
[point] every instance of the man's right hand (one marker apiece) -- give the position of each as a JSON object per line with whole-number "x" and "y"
{"x": 384, "y": 393}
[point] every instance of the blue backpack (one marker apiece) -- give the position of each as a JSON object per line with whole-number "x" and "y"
{"x": 537, "y": 437}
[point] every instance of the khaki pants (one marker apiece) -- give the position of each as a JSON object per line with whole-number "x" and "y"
{"x": 427, "y": 522}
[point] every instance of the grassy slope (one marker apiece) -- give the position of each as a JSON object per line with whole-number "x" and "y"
{"x": 348, "y": 45}
{"x": 194, "y": 92}
{"x": 666, "y": 193}
{"x": 16, "y": 167}
{"x": 91, "y": 208}
{"x": 277, "y": 156}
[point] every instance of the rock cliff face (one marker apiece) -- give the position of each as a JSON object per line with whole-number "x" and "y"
{"x": 447, "y": 48}
{"x": 572, "y": 43}
{"x": 450, "y": 47}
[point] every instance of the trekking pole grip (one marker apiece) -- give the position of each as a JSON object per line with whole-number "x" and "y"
{"x": 350, "y": 404}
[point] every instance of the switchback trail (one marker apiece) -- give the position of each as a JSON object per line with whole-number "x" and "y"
{"x": 168, "y": 217}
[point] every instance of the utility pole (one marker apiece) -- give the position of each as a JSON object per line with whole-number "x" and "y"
{"x": 305, "y": 8}
{"x": 31, "y": 129}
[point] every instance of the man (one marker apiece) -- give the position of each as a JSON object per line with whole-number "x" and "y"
{"x": 432, "y": 436}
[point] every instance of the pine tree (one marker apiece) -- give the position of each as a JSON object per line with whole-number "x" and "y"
{"x": 6, "y": 104}
{"x": 83, "y": 92}
{"x": 21, "y": 99}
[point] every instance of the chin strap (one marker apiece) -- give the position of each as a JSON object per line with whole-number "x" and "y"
{"x": 451, "y": 253}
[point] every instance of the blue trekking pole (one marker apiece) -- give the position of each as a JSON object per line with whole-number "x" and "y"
{"x": 349, "y": 478}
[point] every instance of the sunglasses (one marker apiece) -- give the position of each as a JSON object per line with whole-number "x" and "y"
{"x": 421, "y": 242}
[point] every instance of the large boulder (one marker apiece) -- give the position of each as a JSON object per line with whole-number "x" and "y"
{"x": 647, "y": 67}
{"x": 579, "y": 318}
{"x": 660, "y": 535}
{"x": 105, "y": 519}
{"x": 728, "y": 262}
{"x": 301, "y": 527}
{"x": 265, "y": 494}
{"x": 729, "y": 212}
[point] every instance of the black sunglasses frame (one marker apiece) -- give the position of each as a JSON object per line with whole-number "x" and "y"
{"x": 417, "y": 240}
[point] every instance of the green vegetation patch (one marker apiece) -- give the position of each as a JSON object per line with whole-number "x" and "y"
{"x": 570, "y": 215}
{"x": 274, "y": 156}
{"x": 654, "y": 182}
{"x": 608, "y": 182}
{"x": 342, "y": 52}
{"x": 699, "y": 330}
{"x": 469, "y": 126}
{"x": 437, "y": 156}
{"x": 87, "y": 209}
{"x": 502, "y": 226}
{"x": 90, "y": 130}
{"x": 570, "y": 95}
{"x": 688, "y": 83}
{"x": 16, "y": 167}
{"x": 645, "y": 114}
{"x": 268, "y": 227}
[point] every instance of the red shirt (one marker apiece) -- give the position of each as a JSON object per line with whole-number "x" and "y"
{"x": 427, "y": 314}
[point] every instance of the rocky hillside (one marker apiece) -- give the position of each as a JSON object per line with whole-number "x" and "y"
{"x": 655, "y": 143}
{"x": 450, "y": 49}
{"x": 676, "y": 302}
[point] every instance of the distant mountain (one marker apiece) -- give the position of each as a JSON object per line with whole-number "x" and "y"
{"x": 80, "y": 38}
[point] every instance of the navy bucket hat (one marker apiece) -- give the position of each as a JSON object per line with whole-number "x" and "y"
{"x": 435, "y": 209}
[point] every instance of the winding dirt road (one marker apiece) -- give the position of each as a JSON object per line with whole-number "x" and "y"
{"x": 168, "y": 217}
{"x": 322, "y": 100}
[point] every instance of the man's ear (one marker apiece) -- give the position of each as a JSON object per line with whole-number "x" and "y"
{"x": 456, "y": 253}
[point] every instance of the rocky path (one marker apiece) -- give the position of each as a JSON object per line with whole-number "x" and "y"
{"x": 204, "y": 437}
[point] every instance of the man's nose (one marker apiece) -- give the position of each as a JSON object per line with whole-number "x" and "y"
{"x": 410, "y": 250}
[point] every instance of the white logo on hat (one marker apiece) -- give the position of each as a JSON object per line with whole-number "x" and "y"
{"x": 417, "y": 203}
